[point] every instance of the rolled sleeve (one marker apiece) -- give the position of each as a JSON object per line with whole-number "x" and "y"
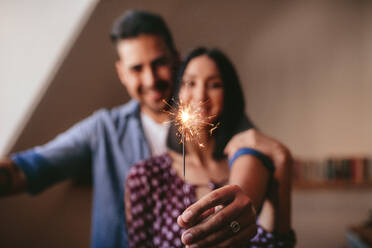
{"x": 63, "y": 157}
{"x": 34, "y": 166}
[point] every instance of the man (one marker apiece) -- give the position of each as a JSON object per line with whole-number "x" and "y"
{"x": 110, "y": 142}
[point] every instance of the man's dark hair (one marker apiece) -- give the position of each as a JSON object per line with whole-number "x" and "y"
{"x": 136, "y": 22}
{"x": 233, "y": 111}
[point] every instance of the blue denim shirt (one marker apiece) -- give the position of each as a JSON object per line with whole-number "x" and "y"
{"x": 110, "y": 141}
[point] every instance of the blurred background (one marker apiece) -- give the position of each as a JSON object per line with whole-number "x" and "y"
{"x": 305, "y": 70}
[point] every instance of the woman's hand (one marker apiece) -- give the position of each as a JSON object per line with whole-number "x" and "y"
{"x": 222, "y": 218}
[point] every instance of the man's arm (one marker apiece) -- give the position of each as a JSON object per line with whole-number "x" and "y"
{"x": 276, "y": 211}
{"x": 12, "y": 179}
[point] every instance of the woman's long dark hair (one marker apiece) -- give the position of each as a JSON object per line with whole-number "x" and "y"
{"x": 233, "y": 107}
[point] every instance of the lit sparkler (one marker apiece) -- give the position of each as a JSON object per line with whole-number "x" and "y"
{"x": 190, "y": 122}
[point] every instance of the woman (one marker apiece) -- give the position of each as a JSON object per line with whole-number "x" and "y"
{"x": 156, "y": 192}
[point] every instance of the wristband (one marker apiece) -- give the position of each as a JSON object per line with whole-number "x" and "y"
{"x": 266, "y": 161}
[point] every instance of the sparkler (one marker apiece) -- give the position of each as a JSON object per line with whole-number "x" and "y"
{"x": 190, "y": 122}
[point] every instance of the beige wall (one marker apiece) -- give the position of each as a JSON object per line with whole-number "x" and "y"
{"x": 310, "y": 73}
{"x": 35, "y": 37}
{"x": 304, "y": 66}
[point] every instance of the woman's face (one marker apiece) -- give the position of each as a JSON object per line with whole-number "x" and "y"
{"x": 202, "y": 83}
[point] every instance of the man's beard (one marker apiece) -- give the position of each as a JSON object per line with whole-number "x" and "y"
{"x": 160, "y": 86}
{"x": 160, "y": 105}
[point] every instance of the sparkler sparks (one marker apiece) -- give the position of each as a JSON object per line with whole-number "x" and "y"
{"x": 190, "y": 122}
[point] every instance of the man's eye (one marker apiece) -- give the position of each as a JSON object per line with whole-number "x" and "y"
{"x": 137, "y": 68}
{"x": 161, "y": 62}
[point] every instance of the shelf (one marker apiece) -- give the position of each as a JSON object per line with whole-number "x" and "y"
{"x": 304, "y": 185}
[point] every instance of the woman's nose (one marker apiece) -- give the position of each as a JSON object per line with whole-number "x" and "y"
{"x": 200, "y": 94}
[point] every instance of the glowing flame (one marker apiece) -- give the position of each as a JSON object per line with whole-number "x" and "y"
{"x": 190, "y": 121}
{"x": 185, "y": 117}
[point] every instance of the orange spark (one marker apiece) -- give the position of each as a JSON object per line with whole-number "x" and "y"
{"x": 190, "y": 121}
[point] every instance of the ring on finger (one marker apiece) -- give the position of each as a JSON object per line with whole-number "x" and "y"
{"x": 235, "y": 226}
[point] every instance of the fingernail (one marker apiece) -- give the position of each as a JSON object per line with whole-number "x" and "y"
{"x": 218, "y": 208}
{"x": 186, "y": 217}
{"x": 192, "y": 246}
{"x": 187, "y": 237}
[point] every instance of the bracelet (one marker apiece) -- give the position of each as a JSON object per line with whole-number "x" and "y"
{"x": 266, "y": 161}
{"x": 5, "y": 180}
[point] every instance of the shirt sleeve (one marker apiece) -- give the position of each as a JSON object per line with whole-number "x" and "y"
{"x": 265, "y": 239}
{"x": 140, "y": 204}
{"x": 63, "y": 157}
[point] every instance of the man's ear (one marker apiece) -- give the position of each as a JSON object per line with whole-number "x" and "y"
{"x": 176, "y": 58}
{"x": 120, "y": 72}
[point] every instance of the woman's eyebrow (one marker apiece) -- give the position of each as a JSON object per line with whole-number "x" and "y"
{"x": 189, "y": 76}
{"x": 192, "y": 76}
{"x": 215, "y": 76}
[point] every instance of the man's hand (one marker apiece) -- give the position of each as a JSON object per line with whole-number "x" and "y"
{"x": 12, "y": 179}
{"x": 222, "y": 218}
{"x": 252, "y": 138}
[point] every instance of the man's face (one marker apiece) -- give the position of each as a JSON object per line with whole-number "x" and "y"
{"x": 146, "y": 68}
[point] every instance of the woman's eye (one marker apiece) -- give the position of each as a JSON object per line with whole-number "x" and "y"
{"x": 188, "y": 83}
{"x": 215, "y": 85}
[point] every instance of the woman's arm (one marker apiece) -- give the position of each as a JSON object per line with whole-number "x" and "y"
{"x": 276, "y": 212}
{"x": 223, "y": 218}
{"x": 253, "y": 178}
